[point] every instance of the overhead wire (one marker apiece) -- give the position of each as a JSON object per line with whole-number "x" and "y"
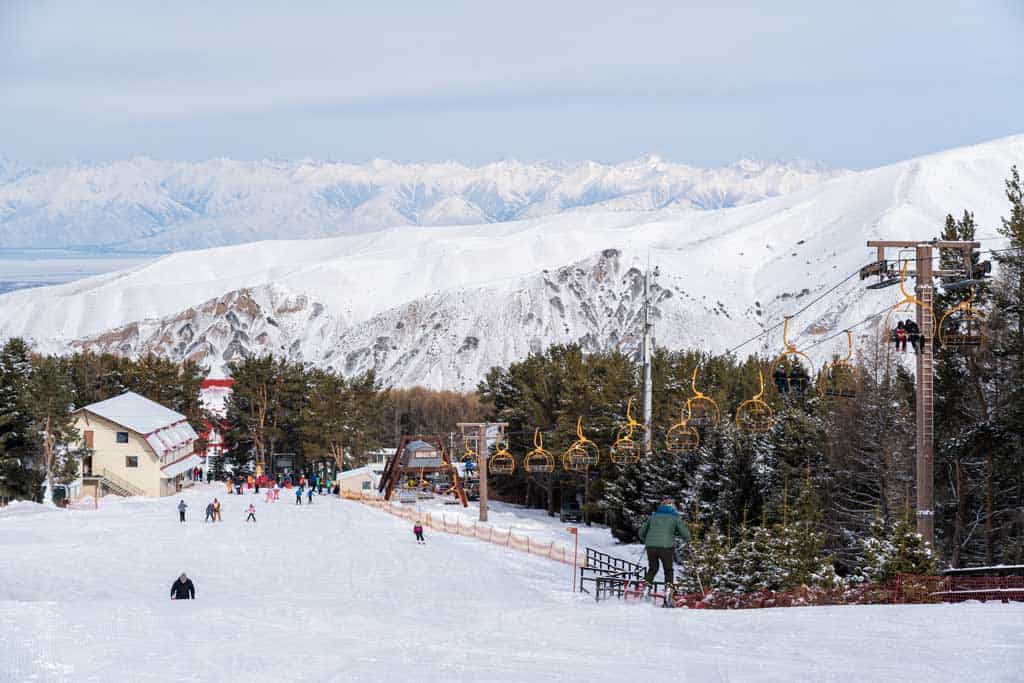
{"x": 808, "y": 305}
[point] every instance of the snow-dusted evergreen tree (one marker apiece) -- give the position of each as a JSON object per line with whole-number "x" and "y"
{"x": 753, "y": 563}
{"x": 801, "y": 544}
{"x": 55, "y": 440}
{"x": 894, "y": 548}
{"x": 705, "y": 560}
{"x": 16, "y": 472}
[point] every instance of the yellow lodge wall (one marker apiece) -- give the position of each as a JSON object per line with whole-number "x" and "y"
{"x": 110, "y": 455}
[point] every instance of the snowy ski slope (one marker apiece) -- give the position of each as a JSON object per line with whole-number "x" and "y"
{"x": 337, "y": 591}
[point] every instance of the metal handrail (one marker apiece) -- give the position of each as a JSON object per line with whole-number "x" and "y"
{"x": 121, "y": 483}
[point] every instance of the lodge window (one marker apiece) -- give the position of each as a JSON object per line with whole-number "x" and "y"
{"x": 122, "y": 437}
{"x": 366, "y": 486}
{"x": 131, "y": 461}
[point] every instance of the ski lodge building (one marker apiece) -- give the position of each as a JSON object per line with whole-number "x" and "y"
{"x": 138, "y": 447}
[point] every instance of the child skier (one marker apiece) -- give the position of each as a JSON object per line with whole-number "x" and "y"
{"x": 277, "y": 491}
{"x": 209, "y": 513}
{"x": 298, "y": 496}
{"x": 417, "y": 529}
{"x": 309, "y": 494}
{"x": 270, "y": 495}
{"x": 216, "y": 511}
{"x": 181, "y": 511}
{"x": 252, "y": 513}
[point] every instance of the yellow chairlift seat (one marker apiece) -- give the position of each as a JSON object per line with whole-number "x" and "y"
{"x": 788, "y": 372}
{"x": 702, "y": 409}
{"x": 839, "y": 378}
{"x": 625, "y": 450}
{"x": 681, "y": 437}
{"x": 905, "y": 308}
{"x": 961, "y": 326}
{"x": 502, "y": 462}
{"x": 538, "y": 461}
{"x": 582, "y": 454}
{"x": 754, "y": 416}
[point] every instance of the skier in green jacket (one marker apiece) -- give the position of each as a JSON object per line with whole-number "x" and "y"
{"x": 658, "y": 534}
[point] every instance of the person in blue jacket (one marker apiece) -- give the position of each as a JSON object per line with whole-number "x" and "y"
{"x": 298, "y": 495}
{"x": 659, "y": 534}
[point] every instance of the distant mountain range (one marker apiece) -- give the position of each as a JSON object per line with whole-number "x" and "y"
{"x": 439, "y": 306}
{"x": 158, "y": 206}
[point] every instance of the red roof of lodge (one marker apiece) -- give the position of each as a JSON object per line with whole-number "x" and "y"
{"x": 226, "y": 382}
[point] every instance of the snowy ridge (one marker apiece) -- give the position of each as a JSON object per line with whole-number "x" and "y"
{"x": 146, "y": 205}
{"x": 441, "y": 306}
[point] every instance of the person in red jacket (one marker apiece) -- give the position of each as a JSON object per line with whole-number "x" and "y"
{"x": 417, "y": 529}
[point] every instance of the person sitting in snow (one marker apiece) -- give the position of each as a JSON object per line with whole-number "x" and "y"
{"x": 183, "y": 588}
{"x": 417, "y": 529}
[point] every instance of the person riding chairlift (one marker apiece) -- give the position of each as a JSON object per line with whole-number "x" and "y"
{"x": 899, "y": 337}
{"x": 914, "y": 335}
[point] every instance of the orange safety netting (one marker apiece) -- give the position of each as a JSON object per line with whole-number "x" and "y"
{"x": 549, "y": 549}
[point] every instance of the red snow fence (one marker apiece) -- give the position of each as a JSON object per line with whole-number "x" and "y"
{"x": 482, "y": 532}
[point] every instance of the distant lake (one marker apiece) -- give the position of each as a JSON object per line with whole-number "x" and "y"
{"x": 24, "y": 268}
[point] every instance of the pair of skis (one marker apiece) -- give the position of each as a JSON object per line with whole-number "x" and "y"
{"x": 641, "y": 591}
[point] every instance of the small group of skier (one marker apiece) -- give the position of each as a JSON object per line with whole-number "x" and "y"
{"x": 795, "y": 380}
{"x": 213, "y": 511}
{"x": 908, "y": 330}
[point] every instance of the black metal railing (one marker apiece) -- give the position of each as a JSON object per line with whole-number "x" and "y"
{"x": 600, "y": 566}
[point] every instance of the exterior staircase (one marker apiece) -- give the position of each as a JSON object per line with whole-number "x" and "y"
{"x": 116, "y": 485}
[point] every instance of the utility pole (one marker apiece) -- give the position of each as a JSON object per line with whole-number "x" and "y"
{"x": 648, "y": 347}
{"x": 481, "y": 429}
{"x": 924, "y": 295}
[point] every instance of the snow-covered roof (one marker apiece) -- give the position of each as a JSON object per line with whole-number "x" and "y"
{"x": 178, "y": 466}
{"x": 135, "y": 412}
{"x": 164, "y": 429}
{"x": 357, "y": 472}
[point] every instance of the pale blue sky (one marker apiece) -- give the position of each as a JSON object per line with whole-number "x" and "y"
{"x": 853, "y": 84}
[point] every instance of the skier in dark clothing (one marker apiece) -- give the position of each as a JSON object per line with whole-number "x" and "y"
{"x": 658, "y": 534}
{"x": 781, "y": 380}
{"x": 309, "y": 494}
{"x": 298, "y": 496}
{"x": 914, "y": 335}
{"x": 183, "y": 589}
{"x": 209, "y": 513}
{"x": 799, "y": 378}
{"x": 181, "y": 511}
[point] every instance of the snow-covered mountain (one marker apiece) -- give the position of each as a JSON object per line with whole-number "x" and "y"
{"x": 441, "y": 306}
{"x": 147, "y": 205}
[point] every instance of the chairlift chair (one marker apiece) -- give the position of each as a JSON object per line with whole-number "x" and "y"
{"x": 625, "y": 450}
{"x": 538, "y": 461}
{"x": 582, "y": 454}
{"x": 788, "y": 372}
{"x": 754, "y": 416}
{"x": 839, "y": 377}
{"x": 702, "y": 409}
{"x": 502, "y": 462}
{"x": 681, "y": 437}
{"x": 961, "y": 326}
